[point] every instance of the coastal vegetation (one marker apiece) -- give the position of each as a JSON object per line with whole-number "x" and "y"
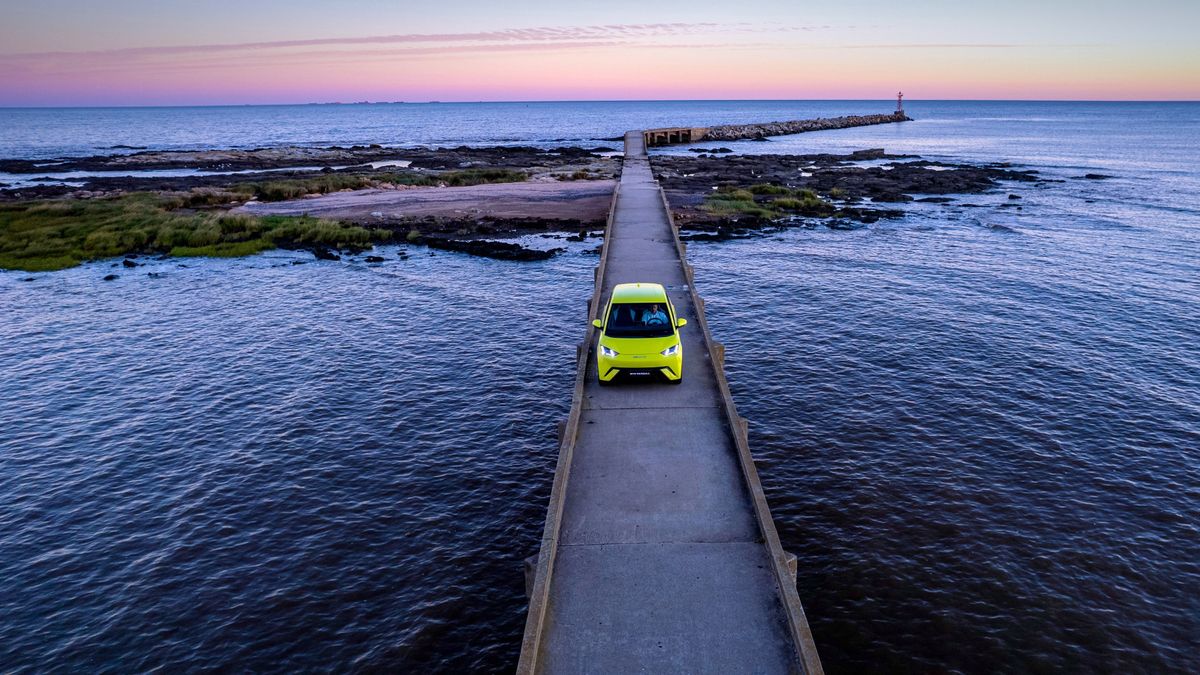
{"x": 50, "y": 235}
{"x": 280, "y": 190}
{"x": 784, "y": 201}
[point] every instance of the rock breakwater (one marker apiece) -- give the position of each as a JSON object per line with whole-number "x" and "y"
{"x": 736, "y": 132}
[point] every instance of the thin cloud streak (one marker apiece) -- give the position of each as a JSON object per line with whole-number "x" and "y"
{"x": 509, "y": 35}
{"x": 341, "y": 57}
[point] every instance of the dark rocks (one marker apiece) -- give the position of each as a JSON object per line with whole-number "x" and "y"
{"x": 129, "y": 263}
{"x": 872, "y": 153}
{"x": 111, "y": 277}
{"x": 499, "y": 250}
{"x": 893, "y": 197}
{"x": 1096, "y": 176}
{"x": 373, "y": 259}
{"x": 322, "y": 253}
{"x": 842, "y": 224}
{"x": 513, "y": 157}
{"x": 1011, "y": 196}
{"x": 837, "y": 182}
{"x": 712, "y": 151}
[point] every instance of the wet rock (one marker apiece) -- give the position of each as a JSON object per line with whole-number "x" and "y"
{"x": 500, "y": 250}
{"x": 29, "y": 279}
{"x": 373, "y": 259}
{"x": 935, "y": 200}
{"x": 1011, "y": 196}
{"x": 841, "y": 224}
{"x": 870, "y": 153}
{"x": 110, "y": 277}
{"x": 155, "y": 275}
{"x": 1096, "y": 176}
{"x": 322, "y": 253}
{"x": 129, "y": 263}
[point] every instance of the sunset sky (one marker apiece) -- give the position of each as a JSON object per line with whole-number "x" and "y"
{"x": 141, "y": 52}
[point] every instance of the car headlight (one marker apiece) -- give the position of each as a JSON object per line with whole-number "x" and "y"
{"x": 670, "y": 351}
{"x": 608, "y": 352}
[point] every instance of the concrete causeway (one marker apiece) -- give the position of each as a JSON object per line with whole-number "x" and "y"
{"x": 659, "y": 553}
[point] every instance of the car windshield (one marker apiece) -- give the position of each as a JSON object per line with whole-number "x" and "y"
{"x": 638, "y": 319}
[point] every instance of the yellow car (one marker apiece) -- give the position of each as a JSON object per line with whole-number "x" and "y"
{"x": 639, "y": 336}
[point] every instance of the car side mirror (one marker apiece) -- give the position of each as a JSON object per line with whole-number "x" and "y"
{"x": 681, "y": 323}
{"x": 597, "y": 323}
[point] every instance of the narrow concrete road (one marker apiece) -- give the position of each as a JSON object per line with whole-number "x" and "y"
{"x": 654, "y": 559}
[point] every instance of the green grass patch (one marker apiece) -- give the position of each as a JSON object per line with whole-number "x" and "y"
{"x": 736, "y": 202}
{"x": 280, "y": 190}
{"x": 481, "y": 176}
{"x": 806, "y": 203}
{"x": 50, "y": 235}
{"x": 769, "y": 189}
{"x": 235, "y": 249}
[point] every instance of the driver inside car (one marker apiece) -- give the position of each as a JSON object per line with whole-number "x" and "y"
{"x": 654, "y": 316}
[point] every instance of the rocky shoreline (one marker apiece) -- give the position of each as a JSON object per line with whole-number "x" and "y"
{"x": 724, "y": 196}
{"x": 471, "y": 199}
{"x": 261, "y": 159}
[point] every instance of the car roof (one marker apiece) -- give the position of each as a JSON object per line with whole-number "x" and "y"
{"x": 641, "y": 292}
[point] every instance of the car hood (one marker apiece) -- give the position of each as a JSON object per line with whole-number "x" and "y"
{"x": 639, "y": 345}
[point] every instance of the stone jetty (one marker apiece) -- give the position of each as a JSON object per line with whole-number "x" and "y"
{"x": 737, "y": 132}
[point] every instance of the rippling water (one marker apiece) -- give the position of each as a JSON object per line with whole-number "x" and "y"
{"x": 60, "y": 132}
{"x": 979, "y": 428}
{"x": 278, "y": 467}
